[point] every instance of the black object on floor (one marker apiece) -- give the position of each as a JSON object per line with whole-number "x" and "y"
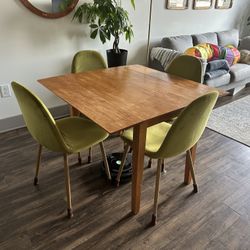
{"x": 114, "y": 161}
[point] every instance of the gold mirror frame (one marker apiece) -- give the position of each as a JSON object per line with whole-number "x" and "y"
{"x": 41, "y": 13}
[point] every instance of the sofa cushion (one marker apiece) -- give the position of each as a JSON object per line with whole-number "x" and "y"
{"x": 219, "y": 81}
{"x": 245, "y": 43}
{"x": 210, "y": 37}
{"x": 230, "y": 37}
{"x": 179, "y": 43}
{"x": 240, "y": 71}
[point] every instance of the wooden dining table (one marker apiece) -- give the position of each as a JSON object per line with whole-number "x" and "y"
{"x": 128, "y": 96}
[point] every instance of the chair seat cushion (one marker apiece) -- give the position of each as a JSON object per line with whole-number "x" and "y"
{"x": 240, "y": 71}
{"x": 154, "y": 139}
{"x": 80, "y": 133}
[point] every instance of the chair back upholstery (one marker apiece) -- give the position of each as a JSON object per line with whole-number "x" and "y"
{"x": 188, "y": 67}
{"x": 38, "y": 119}
{"x": 87, "y": 60}
{"x": 188, "y": 127}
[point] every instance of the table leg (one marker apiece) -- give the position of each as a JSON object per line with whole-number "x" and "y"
{"x": 139, "y": 139}
{"x": 73, "y": 111}
{"x": 187, "y": 175}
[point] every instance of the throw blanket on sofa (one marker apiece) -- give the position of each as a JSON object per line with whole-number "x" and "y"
{"x": 164, "y": 56}
{"x": 217, "y": 64}
{"x": 216, "y": 68}
{"x": 214, "y": 74}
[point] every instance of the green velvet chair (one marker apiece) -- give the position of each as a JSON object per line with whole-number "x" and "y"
{"x": 188, "y": 67}
{"x": 166, "y": 140}
{"x": 86, "y": 60}
{"x": 67, "y": 135}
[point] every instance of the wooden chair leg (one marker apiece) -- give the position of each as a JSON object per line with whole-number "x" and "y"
{"x": 124, "y": 157}
{"x": 90, "y": 155}
{"x": 157, "y": 187}
{"x": 79, "y": 158}
{"x": 150, "y": 163}
{"x": 105, "y": 161}
{"x": 187, "y": 176}
{"x": 67, "y": 185}
{"x": 192, "y": 172}
{"x": 163, "y": 170}
{"x": 38, "y": 163}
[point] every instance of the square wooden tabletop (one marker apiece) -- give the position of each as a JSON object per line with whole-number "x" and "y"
{"x": 121, "y": 97}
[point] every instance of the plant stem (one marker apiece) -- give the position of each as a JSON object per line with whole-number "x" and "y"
{"x": 116, "y": 45}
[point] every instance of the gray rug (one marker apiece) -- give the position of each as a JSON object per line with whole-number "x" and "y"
{"x": 233, "y": 120}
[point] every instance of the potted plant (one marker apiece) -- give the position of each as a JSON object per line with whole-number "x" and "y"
{"x": 107, "y": 19}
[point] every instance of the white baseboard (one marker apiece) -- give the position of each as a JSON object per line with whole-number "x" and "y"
{"x": 15, "y": 122}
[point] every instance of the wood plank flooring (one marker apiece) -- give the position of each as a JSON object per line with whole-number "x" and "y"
{"x": 218, "y": 217}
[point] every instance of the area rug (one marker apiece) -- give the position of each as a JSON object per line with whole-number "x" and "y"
{"x": 233, "y": 120}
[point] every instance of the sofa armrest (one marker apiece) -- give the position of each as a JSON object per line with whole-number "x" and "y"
{"x": 160, "y": 57}
{"x": 204, "y": 65}
{"x": 155, "y": 64}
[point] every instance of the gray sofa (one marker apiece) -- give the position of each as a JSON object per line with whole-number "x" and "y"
{"x": 239, "y": 74}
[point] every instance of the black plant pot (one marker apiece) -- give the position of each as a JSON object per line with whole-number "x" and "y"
{"x": 115, "y": 59}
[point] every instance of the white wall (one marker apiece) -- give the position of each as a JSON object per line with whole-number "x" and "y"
{"x": 32, "y": 47}
{"x": 169, "y": 22}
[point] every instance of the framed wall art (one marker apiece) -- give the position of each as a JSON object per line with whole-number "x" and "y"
{"x": 202, "y": 4}
{"x": 223, "y": 4}
{"x": 177, "y": 4}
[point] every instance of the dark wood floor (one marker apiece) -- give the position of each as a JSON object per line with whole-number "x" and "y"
{"x": 218, "y": 217}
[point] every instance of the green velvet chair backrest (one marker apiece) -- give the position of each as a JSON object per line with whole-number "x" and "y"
{"x": 87, "y": 60}
{"x": 188, "y": 67}
{"x": 188, "y": 127}
{"x": 38, "y": 119}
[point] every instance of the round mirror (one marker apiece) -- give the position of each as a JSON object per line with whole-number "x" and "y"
{"x": 50, "y": 8}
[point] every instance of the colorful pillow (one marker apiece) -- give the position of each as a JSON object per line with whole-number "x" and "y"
{"x": 211, "y": 52}
{"x": 227, "y": 54}
{"x": 203, "y": 50}
{"x": 236, "y": 53}
{"x": 216, "y": 52}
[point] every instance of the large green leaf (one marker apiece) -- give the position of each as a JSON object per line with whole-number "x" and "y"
{"x": 93, "y": 34}
{"x": 102, "y": 36}
{"x": 93, "y": 26}
{"x": 133, "y": 3}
